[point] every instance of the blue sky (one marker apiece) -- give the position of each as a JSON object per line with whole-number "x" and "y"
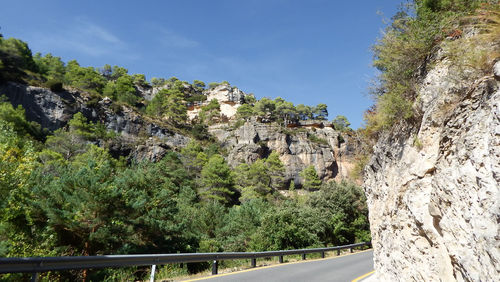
{"x": 309, "y": 51}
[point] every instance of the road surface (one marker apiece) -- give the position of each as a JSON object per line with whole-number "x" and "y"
{"x": 343, "y": 268}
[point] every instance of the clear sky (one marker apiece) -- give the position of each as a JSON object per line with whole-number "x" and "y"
{"x": 308, "y": 51}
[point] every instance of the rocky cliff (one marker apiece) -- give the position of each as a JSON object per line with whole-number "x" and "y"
{"x": 433, "y": 188}
{"x": 316, "y": 143}
{"x": 139, "y": 137}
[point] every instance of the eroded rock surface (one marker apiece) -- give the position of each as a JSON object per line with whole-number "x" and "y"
{"x": 326, "y": 151}
{"x": 434, "y": 190}
{"x": 138, "y": 136}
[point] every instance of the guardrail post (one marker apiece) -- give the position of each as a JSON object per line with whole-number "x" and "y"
{"x": 215, "y": 267}
{"x": 281, "y": 259}
{"x": 322, "y": 254}
{"x": 152, "y": 276}
{"x": 351, "y": 250}
{"x": 254, "y": 262}
{"x": 338, "y": 252}
{"x": 303, "y": 256}
{"x": 34, "y": 277}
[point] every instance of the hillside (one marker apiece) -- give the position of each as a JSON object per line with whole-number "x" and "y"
{"x": 98, "y": 161}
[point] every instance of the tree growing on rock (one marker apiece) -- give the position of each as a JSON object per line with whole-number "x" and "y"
{"x": 311, "y": 178}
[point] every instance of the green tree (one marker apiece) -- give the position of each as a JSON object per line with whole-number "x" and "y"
{"x": 15, "y": 54}
{"x": 311, "y": 179}
{"x": 253, "y": 180}
{"x": 320, "y": 112}
{"x": 285, "y": 111}
{"x": 276, "y": 170}
{"x": 241, "y": 223}
{"x": 122, "y": 90}
{"x": 83, "y": 78}
{"x": 16, "y": 117}
{"x": 304, "y": 112}
{"x": 341, "y": 123}
{"x": 200, "y": 85}
{"x": 217, "y": 181}
{"x": 344, "y": 213}
{"x": 51, "y": 67}
{"x": 265, "y": 108}
{"x": 170, "y": 103}
{"x": 245, "y": 111}
{"x": 157, "y": 82}
{"x": 285, "y": 227}
{"x": 140, "y": 79}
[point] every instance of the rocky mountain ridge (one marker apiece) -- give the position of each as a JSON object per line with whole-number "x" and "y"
{"x": 141, "y": 137}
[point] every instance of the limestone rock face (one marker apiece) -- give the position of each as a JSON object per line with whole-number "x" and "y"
{"x": 296, "y": 148}
{"x": 54, "y": 110}
{"x": 229, "y": 98}
{"x": 434, "y": 190}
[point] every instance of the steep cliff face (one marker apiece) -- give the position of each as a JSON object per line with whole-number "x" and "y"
{"x": 139, "y": 137}
{"x": 320, "y": 146}
{"x": 434, "y": 189}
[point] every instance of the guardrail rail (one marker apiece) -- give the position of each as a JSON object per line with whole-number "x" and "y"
{"x": 36, "y": 265}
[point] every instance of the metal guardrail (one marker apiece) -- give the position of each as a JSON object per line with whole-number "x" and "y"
{"x": 42, "y": 264}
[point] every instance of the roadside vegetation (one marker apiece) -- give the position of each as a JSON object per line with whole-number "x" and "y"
{"x": 405, "y": 52}
{"x": 62, "y": 193}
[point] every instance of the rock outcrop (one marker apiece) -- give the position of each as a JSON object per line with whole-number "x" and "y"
{"x": 229, "y": 98}
{"x": 433, "y": 188}
{"x": 298, "y": 148}
{"x": 139, "y": 137}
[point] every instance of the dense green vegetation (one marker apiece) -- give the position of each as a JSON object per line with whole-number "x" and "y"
{"x": 407, "y": 50}
{"x": 403, "y": 54}
{"x": 64, "y": 195}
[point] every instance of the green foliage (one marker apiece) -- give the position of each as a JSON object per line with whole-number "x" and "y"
{"x": 200, "y": 85}
{"x": 403, "y": 52}
{"x": 210, "y": 113}
{"x": 311, "y": 178}
{"x": 213, "y": 85}
{"x": 245, "y": 112}
{"x": 122, "y": 90}
{"x": 140, "y": 79}
{"x": 316, "y": 139}
{"x": 265, "y": 107}
{"x": 169, "y": 103}
{"x": 285, "y": 227}
{"x": 217, "y": 181}
{"x": 341, "y": 123}
{"x": 16, "y": 117}
{"x": 50, "y": 67}
{"x": 242, "y": 223}
{"x": 76, "y": 139}
{"x": 83, "y": 78}
{"x": 344, "y": 216}
{"x": 15, "y": 56}
{"x": 320, "y": 112}
{"x": 157, "y": 82}
{"x": 304, "y": 112}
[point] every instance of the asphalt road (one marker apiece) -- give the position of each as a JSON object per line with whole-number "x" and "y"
{"x": 343, "y": 268}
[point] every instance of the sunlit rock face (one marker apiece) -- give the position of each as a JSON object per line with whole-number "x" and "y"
{"x": 331, "y": 158}
{"x": 433, "y": 188}
{"x": 229, "y": 98}
{"x": 137, "y": 136}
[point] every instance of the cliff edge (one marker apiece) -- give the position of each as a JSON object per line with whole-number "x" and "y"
{"x": 433, "y": 188}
